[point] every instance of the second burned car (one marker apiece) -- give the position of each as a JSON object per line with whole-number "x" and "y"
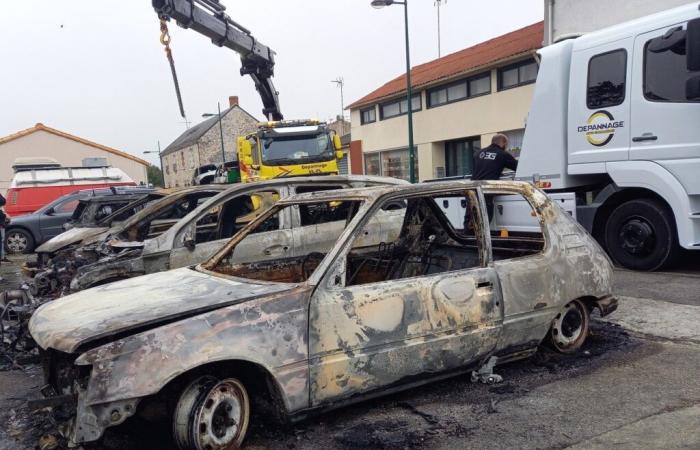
{"x": 190, "y": 226}
{"x": 379, "y": 292}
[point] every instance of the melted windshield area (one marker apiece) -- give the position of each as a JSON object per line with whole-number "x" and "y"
{"x": 280, "y": 150}
{"x": 165, "y": 217}
{"x": 288, "y": 255}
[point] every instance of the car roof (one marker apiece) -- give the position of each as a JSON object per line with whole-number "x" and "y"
{"x": 379, "y": 191}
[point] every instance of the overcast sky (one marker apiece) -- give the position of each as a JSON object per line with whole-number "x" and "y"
{"x": 96, "y": 68}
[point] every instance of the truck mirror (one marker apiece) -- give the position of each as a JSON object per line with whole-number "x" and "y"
{"x": 246, "y": 149}
{"x": 336, "y": 142}
{"x": 692, "y": 45}
{"x": 339, "y": 154}
{"x": 692, "y": 88}
{"x": 673, "y": 39}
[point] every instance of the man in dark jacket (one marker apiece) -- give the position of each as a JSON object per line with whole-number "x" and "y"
{"x": 490, "y": 162}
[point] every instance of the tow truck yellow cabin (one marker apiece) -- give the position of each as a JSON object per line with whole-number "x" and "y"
{"x": 289, "y": 148}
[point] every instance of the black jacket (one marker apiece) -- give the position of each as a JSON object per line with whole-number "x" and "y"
{"x": 490, "y": 162}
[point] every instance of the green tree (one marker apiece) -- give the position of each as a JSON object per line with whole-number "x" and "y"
{"x": 155, "y": 176}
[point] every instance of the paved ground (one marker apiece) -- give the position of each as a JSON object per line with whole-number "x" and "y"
{"x": 635, "y": 386}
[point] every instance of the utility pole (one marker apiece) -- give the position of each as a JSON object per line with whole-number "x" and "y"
{"x": 341, "y": 84}
{"x": 438, "y": 3}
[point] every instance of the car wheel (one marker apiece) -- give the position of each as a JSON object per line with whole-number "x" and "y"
{"x": 211, "y": 414}
{"x": 570, "y": 327}
{"x": 18, "y": 240}
{"x": 641, "y": 235}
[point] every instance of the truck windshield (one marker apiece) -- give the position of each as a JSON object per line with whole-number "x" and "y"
{"x": 281, "y": 150}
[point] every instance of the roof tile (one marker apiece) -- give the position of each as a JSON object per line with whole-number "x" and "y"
{"x": 502, "y": 47}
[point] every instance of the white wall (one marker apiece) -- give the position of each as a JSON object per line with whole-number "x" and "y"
{"x": 479, "y": 116}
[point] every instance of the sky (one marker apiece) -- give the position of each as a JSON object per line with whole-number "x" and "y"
{"x": 96, "y": 69}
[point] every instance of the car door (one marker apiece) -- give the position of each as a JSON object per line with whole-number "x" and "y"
{"x": 664, "y": 121}
{"x": 211, "y": 229}
{"x": 369, "y": 335}
{"x": 52, "y": 219}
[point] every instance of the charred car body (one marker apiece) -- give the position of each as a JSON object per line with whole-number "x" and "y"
{"x": 59, "y": 259}
{"x": 377, "y": 293}
{"x": 141, "y": 248}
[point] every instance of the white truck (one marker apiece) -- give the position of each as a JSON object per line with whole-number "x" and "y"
{"x": 614, "y": 128}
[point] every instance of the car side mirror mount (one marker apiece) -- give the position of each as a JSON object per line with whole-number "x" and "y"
{"x": 50, "y": 212}
{"x": 189, "y": 241}
{"x": 692, "y": 45}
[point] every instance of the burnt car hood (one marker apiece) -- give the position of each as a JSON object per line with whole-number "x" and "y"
{"x": 70, "y": 237}
{"x": 137, "y": 304}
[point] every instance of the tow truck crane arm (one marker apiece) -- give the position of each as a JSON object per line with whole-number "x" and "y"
{"x": 208, "y": 17}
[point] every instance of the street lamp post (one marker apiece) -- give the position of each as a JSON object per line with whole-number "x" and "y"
{"x": 221, "y": 131}
{"x": 409, "y": 90}
{"x": 160, "y": 160}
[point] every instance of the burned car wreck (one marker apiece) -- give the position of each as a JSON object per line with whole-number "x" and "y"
{"x": 59, "y": 259}
{"x": 380, "y": 292}
{"x": 151, "y": 242}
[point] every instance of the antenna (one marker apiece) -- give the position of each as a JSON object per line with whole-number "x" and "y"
{"x": 340, "y": 82}
{"x": 438, "y": 4}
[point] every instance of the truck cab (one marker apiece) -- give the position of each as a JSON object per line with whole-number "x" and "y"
{"x": 289, "y": 148}
{"x": 614, "y": 123}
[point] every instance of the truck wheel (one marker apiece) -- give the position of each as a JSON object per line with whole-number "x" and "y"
{"x": 18, "y": 240}
{"x": 211, "y": 414}
{"x": 641, "y": 235}
{"x": 570, "y": 327}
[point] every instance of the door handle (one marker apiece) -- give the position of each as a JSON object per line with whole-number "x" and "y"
{"x": 645, "y": 137}
{"x": 275, "y": 248}
{"x": 484, "y": 284}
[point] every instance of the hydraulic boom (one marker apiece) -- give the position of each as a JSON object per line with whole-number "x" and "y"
{"x": 208, "y": 17}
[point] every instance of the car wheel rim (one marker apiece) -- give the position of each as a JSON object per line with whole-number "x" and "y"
{"x": 16, "y": 242}
{"x": 221, "y": 418}
{"x": 568, "y": 326}
{"x": 637, "y": 237}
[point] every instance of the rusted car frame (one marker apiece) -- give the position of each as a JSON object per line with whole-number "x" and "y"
{"x": 363, "y": 320}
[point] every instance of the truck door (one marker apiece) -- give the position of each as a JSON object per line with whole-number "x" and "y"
{"x": 664, "y": 122}
{"x": 599, "y": 103}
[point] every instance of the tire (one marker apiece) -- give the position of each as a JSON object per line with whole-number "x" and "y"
{"x": 211, "y": 414}
{"x": 641, "y": 235}
{"x": 570, "y": 328}
{"x": 18, "y": 240}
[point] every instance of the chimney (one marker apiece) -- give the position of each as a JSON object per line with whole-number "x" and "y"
{"x": 233, "y": 101}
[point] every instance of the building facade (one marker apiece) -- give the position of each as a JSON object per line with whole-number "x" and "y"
{"x": 460, "y": 101}
{"x": 41, "y": 141}
{"x": 201, "y": 144}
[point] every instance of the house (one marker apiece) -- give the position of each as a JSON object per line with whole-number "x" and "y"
{"x": 460, "y": 101}
{"x": 201, "y": 144}
{"x": 41, "y": 141}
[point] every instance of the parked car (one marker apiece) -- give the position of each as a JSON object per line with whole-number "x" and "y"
{"x": 33, "y": 187}
{"x": 373, "y": 291}
{"x": 96, "y": 215}
{"x": 61, "y": 257}
{"x": 138, "y": 248}
{"x": 28, "y": 231}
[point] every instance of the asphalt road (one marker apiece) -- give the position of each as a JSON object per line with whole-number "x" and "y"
{"x": 634, "y": 386}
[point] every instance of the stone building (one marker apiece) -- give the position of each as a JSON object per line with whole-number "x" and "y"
{"x": 201, "y": 144}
